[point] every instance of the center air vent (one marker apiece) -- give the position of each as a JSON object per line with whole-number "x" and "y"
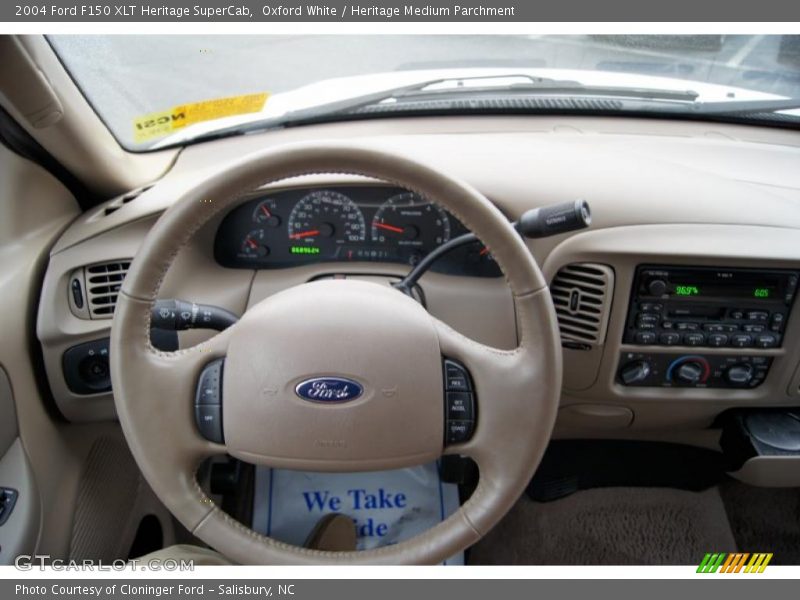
{"x": 103, "y": 282}
{"x": 582, "y": 297}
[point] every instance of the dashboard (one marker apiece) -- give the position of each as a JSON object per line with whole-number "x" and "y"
{"x": 345, "y": 224}
{"x": 675, "y": 306}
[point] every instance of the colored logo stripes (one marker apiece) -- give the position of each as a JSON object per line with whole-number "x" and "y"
{"x": 735, "y": 563}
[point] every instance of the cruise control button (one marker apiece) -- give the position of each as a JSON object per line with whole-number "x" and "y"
{"x": 209, "y": 388}
{"x": 458, "y": 431}
{"x": 741, "y": 340}
{"x": 459, "y": 406}
{"x": 209, "y": 422}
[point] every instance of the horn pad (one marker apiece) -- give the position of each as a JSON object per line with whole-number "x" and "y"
{"x": 334, "y": 375}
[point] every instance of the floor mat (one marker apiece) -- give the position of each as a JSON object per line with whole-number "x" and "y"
{"x": 611, "y": 526}
{"x": 765, "y": 520}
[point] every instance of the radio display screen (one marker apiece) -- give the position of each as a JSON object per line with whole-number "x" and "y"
{"x": 762, "y": 291}
{"x": 700, "y": 283}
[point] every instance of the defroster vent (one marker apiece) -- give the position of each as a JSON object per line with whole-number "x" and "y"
{"x": 582, "y": 297}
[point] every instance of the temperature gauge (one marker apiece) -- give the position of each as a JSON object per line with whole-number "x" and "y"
{"x": 266, "y": 213}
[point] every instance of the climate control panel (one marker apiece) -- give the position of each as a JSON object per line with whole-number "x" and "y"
{"x": 646, "y": 369}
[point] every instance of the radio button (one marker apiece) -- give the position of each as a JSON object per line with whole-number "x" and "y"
{"x": 777, "y": 322}
{"x": 669, "y": 339}
{"x": 766, "y": 340}
{"x": 651, "y": 307}
{"x": 648, "y": 318}
{"x": 717, "y": 340}
{"x": 667, "y": 325}
{"x": 714, "y": 327}
{"x": 741, "y": 340}
{"x": 758, "y": 315}
{"x": 750, "y": 328}
{"x": 646, "y": 337}
{"x": 736, "y": 314}
{"x": 694, "y": 339}
{"x": 688, "y": 326}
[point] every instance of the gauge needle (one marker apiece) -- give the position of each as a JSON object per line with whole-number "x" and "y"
{"x": 265, "y": 210}
{"x": 388, "y": 227}
{"x": 302, "y": 234}
{"x": 484, "y": 252}
{"x": 251, "y": 243}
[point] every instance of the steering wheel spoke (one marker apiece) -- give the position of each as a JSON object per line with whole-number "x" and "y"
{"x": 513, "y": 410}
{"x": 163, "y": 420}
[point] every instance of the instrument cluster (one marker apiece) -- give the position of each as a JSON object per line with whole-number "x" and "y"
{"x": 344, "y": 224}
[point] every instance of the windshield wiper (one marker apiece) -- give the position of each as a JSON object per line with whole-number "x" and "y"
{"x": 745, "y": 107}
{"x": 419, "y": 91}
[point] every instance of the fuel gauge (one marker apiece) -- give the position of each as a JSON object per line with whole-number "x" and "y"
{"x": 254, "y": 245}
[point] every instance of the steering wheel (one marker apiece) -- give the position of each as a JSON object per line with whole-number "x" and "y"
{"x": 367, "y": 333}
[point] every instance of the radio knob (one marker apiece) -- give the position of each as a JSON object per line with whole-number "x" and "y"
{"x": 635, "y": 372}
{"x": 739, "y": 374}
{"x": 690, "y": 372}
{"x": 657, "y": 287}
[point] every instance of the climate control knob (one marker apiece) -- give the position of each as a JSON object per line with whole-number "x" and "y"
{"x": 635, "y": 372}
{"x": 690, "y": 372}
{"x": 739, "y": 374}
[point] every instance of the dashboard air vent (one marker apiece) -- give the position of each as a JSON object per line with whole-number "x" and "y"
{"x": 582, "y": 297}
{"x": 103, "y": 282}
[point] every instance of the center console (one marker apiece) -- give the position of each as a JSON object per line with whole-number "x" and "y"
{"x": 705, "y": 307}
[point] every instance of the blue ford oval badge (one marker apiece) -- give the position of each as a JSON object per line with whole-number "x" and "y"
{"x": 328, "y": 389}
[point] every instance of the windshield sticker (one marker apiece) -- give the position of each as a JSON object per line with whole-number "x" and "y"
{"x": 160, "y": 124}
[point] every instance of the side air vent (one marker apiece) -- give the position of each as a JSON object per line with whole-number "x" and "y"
{"x": 121, "y": 201}
{"x": 103, "y": 282}
{"x": 582, "y": 297}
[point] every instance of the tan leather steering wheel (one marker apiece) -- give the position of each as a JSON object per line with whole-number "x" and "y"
{"x": 265, "y": 422}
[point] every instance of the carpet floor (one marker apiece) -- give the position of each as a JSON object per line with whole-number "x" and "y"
{"x": 611, "y": 526}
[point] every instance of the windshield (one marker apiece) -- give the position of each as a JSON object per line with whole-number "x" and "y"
{"x": 153, "y": 91}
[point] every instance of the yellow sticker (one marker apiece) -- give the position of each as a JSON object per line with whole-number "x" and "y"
{"x": 163, "y": 123}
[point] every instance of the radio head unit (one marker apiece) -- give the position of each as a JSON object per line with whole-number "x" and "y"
{"x": 709, "y": 306}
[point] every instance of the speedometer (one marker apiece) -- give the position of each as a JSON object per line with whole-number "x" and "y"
{"x": 322, "y": 220}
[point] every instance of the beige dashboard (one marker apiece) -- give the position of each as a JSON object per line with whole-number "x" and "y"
{"x": 677, "y": 193}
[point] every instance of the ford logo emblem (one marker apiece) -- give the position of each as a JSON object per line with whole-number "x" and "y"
{"x": 329, "y": 389}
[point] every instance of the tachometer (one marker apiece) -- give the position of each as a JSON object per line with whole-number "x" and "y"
{"x": 323, "y": 219}
{"x": 409, "y": 220}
